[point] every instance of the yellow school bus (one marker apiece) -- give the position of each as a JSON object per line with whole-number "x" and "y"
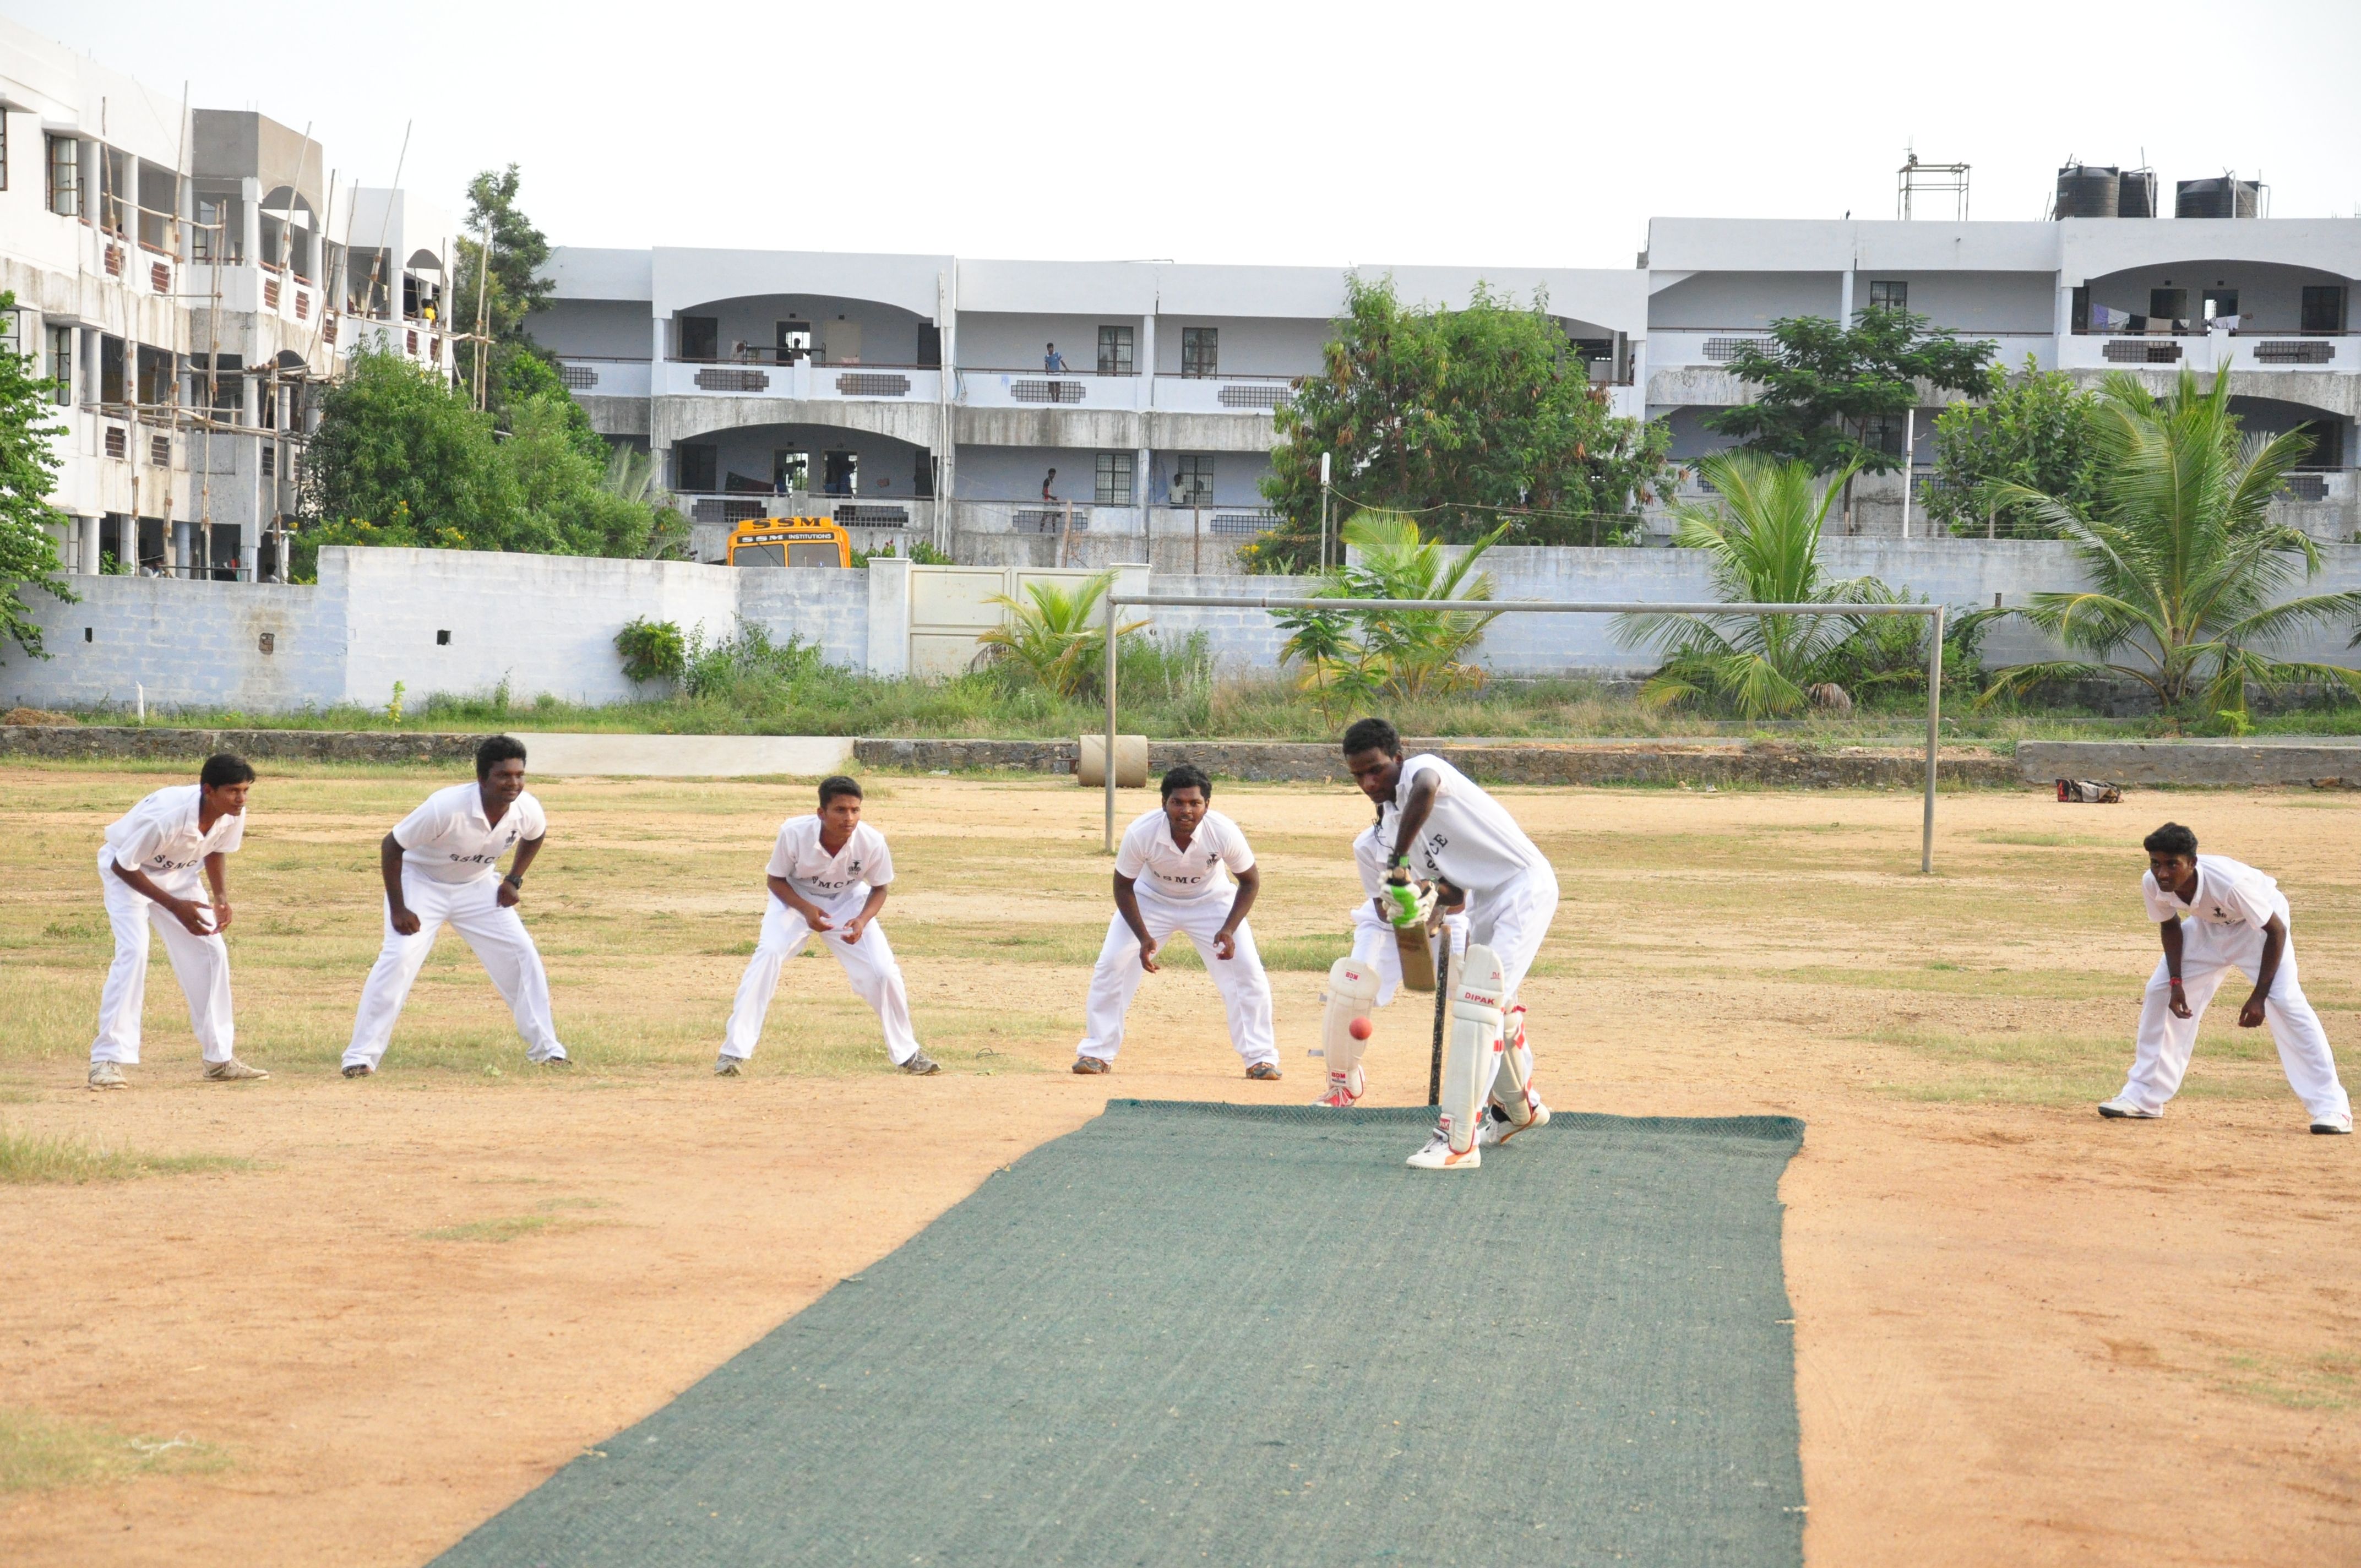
{"x": 789, "y": 541}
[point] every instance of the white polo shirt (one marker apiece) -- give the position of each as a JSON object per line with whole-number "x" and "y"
{"x": 863, "y": 863}
{"x": 1372, "y": 851}
{"x": 1469, "y": 839}
{"x": 159, "y": 835}
{"x": 2229, "y": 893}
{"x": 1150, "y": 858}
{"x": 448, "y": 839}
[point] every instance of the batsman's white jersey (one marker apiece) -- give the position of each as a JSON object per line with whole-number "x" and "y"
{"x": 1373, "y": 935}
{"x": 1182, "y": 890}
{"x": 2222, "y": 928}
{"x": 1470, "y": 841}
{"x": 838, "y": 884}
{"x": 161, "y": 837}
{"x": 450, "y": 876}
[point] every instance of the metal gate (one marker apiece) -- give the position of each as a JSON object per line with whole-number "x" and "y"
{"x": 951, "y": 608}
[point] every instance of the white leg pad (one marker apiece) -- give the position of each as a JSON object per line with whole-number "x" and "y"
{"x": 1473, "y": 1053}
{"x": 1351, "y": 994}
{"x": 1512, "y": 1090}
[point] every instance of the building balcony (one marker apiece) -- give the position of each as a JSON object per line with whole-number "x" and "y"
{"x": 1712, "y": 348}
{"x": 1128, "y": 391}
{"x": 801, "y": 379}
{"x": 591, "y": 375}
{"x": 2248, "y": 349}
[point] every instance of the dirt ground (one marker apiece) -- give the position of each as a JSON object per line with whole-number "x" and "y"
{"x": 2026, "y": 1335}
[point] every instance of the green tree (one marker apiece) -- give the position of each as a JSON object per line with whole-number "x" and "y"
{"x": 2185, "y": 566}
{"x": 1821, "y": 386}
{"x": 1463, "y": 417}
{"x": 1355, "y": 657}
{"x": 398, "y": 448}
{"x": 2035, "y": 430}
{"x": 1059, "y": 635}
{"x": 28, "y": 472}
{"x": 506, "y": 291}
{"x": 1763, "y": 538}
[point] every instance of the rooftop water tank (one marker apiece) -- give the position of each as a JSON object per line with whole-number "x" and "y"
{"x": 2225, "y": 197}
{"x": 2138, "y": 195}
{"x": 2087, "y": 191}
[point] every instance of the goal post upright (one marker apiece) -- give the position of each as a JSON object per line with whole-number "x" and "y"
{"x": 1933, "y": 614}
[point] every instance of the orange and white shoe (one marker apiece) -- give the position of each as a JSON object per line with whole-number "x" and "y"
{"x": 1437, "y": 1155}
{"x": 1500, "y": 1127}
{"x": 1344, "y": 1091}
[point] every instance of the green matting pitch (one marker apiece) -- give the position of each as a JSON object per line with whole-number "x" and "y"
{"x": 1237, "y": 1335}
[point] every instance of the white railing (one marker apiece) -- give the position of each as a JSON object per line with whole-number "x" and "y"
{"x": 1223, "y": 394}
{"x": 1712, "y": 348}
{"x": 801, "y": 379}
{"x": 993, "y": 388}
{"x": 726, "y": 508}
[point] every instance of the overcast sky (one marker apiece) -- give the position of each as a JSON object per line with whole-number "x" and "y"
{"x": 1468, "y": 132}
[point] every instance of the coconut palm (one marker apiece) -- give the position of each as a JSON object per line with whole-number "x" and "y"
{"x": 1763, "y": 539}
{"x": 1057, "y": 636}
{"x": 2185, "y": 566}
{"x": 1358, "y": 655}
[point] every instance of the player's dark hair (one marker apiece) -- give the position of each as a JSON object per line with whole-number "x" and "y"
{"x": 2171, "y": 839}
{"x": 834, "y": 785}
{"x": 1185, "y": 775}
{"x": 496, "y": 749}
{"x": 225, "y": 768}
{"x": 1372, "y": 735}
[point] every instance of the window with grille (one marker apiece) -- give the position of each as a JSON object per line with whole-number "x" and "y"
{"x": 1200, "y": 351}
{"x": 160, "y": 451}
{"x": 1883, "y": 433}
{"x": 2323, "y": 307}
{"x": 1115, "y": 470}
{"x": 1889, "y": 294}
{"x": 699, "y": 467}
{"x": 64, "y": 163}
{"x": 1114, "y": 351}
{"x": 61, "y": 365}
{"x": 1193, "y": 479}
{"x": 269, "y": 460}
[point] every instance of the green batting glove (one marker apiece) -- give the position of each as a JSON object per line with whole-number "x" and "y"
{"x": 1404, "y": 896}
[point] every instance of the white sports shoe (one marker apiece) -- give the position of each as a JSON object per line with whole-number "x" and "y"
{"x": 232, "y": 1072}
{"x": 1437, "y": 1155}
{"x": 726, "y": 1065}
{"x": 2331, "y": 1125}
{"x": 106, "y": 1075}
{"x": 2120, "y": 1107}
{"x": 1497, "y": 1129}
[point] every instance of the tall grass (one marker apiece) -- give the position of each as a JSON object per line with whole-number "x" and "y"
{"x": 27, "y": 1158}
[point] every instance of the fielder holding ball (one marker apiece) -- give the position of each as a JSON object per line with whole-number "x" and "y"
{"x": 1168, "y": 878}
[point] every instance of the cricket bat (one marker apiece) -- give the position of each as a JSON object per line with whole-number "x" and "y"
{"x": 1416, "y": 946}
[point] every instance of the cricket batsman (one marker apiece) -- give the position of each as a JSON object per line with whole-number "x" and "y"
{"x": 1450, "y": 839}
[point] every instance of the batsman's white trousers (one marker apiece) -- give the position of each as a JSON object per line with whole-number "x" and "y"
{"x": 1512, "y": 920}
{"x": 868, "y": 964}
{"x": 200, "y": 963}
{"x": 1374, "y": 944}
{"x": 502, "y": 945}
{"x": 2208, "y": 951}
{"x": 1246, "y": 990}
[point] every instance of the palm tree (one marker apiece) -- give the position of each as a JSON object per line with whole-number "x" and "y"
{"x": 1057, "y": 636}
{"x": 1763, "y": 538}
{"x": 1358, "y": 655}
{"x": 2185, "y": 566}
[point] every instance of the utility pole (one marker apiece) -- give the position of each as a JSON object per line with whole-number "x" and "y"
{"x": 1323, "y": 511}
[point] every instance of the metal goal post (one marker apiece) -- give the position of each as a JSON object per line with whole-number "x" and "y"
{"x": 1933, "y": 612}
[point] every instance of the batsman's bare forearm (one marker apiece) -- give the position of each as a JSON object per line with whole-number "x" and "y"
{"x": 1126, "y": 904}
{"x": 871, "y": 905}
{"x": 139, "y": 881}
{"x": 524, "y": 856}
{"x": 2171, "y": 931}
{"x": 217, "y": 876}
{"x": 1414, "y": 813}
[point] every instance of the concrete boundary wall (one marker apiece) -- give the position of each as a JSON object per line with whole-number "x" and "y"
{"x": 470, "y": 622}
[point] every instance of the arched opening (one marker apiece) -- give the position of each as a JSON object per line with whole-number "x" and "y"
{"x": 826, "y": 329}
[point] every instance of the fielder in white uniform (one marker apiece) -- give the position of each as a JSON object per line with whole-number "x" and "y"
{"x": 1169, "y": 877}
{"x": 1448, "y": 831}
{"x": 441, "y": 866}
{"x": 828, "y": 873}
{"x": 2215, "y": 914}
{"x": 148, "y": 876}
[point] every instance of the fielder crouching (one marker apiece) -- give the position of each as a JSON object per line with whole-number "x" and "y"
{"x": 1168, "y": 878}
{"x": 1448, "y": 830}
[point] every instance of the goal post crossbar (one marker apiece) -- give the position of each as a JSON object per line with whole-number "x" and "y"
{"x": 1934, "y": 613}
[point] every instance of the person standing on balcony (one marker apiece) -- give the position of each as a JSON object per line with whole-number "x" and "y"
{"x": 1051, "y": 360}
{"x": 1049, "y": 479}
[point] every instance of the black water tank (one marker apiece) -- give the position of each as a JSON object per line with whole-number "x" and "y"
{"x": 2087, "y": 191}
{"x": 2225, "y": 197}
{"x": 2138, "y": 198}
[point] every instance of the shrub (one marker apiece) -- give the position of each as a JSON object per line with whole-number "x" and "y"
{"x": 652, "y": 650}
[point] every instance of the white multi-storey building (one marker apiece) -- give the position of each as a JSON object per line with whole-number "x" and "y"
{"x": 981, "y": 401}
{"x": 931, "y": 392}
{"x": 186, "y": 277}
